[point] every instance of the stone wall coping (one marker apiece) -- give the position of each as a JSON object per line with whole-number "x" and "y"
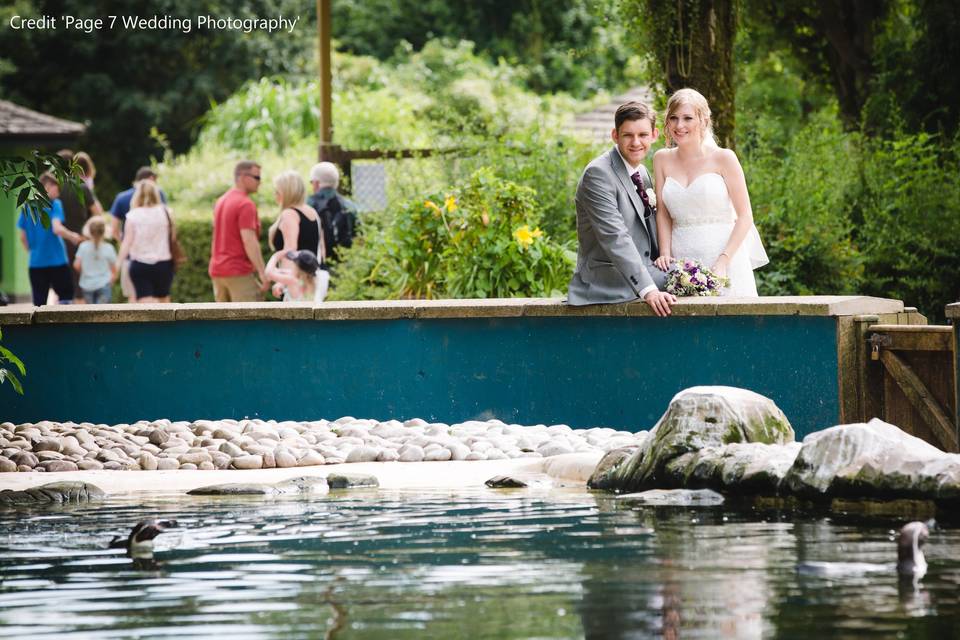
{"x": 829, "y": 306}
{"x": 953, "y": 310}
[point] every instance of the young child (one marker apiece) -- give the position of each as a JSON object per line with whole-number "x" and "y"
{"x": 96, "y": 262}
{"x": 303, "y": 281}
{"x": 48, "y": 254}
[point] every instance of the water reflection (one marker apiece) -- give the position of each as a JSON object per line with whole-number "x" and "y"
{"x": 481, "y": 564}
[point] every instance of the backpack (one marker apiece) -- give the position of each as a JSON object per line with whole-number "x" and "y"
{"x": 339, "y": 226}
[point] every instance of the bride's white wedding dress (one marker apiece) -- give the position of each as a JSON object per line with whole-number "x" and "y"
{"x": 703, "y": 217}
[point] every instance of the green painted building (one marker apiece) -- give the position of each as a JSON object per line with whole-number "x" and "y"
{"x": 21, "y": 131}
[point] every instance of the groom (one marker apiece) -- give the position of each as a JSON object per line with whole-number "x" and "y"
{"x": 616, "y": 222}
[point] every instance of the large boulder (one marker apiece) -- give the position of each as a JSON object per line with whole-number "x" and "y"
{"x": 742, "y": 468}
{"x": 875, "y": 459}
{"x": 699, "y": 419}
{"x": 605, "y": 476}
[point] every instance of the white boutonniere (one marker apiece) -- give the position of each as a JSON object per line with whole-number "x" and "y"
{"x": 652, "y": 197}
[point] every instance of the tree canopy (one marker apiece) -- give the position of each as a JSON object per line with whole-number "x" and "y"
{"x": 126, "y": 82}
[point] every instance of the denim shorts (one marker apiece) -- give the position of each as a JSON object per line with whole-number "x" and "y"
{"x": 98, "y": 296}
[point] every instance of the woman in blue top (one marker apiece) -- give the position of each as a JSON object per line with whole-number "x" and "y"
{"x": 48, "y": 254}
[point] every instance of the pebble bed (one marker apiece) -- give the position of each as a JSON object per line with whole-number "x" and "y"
{"x": 263, "y": 444}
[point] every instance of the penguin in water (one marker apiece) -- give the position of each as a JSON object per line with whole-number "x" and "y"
{"x": 910, "y": 561}
{"x": 911, "y": 564}
{"x": 139, "y": 544}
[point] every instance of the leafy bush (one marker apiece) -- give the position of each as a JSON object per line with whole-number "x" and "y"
{"x": 444, "y": 96}
{"x": 802, "y": 199}
{"x": 7, "y": 358}
{"x": 495, "y": 248}
{"x": 478, "y": 241}
{"x": 577, "y": 46}
{"x": 844, "y": 213}
{"x": 910, "y": 229}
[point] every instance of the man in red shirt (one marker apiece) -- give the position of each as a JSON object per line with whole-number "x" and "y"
{"x": 235, "y": 259}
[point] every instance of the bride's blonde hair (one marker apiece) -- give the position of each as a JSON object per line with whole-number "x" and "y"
{"x": 695, "y": 99}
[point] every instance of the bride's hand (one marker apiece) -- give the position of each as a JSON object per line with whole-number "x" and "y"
{"x": 719, "y": 267}
{"x": 663, "y": 263}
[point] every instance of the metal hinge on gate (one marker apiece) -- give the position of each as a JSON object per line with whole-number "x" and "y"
{"x": 876, "y": 341}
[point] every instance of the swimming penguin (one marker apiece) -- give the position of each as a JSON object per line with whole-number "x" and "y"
{"x": 140, "y": 541}
{"x": 910, "y": 561}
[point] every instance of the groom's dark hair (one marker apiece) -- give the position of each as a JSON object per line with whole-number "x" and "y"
{"x": 634, "y": 111}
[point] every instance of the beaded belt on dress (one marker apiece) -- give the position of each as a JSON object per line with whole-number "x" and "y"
{"x": 698, "y": 222}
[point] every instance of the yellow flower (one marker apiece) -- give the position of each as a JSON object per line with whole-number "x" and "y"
{"x": 451, "y": 204}
{"x": 430, "y": 204}
{"x": 525, "y": 236}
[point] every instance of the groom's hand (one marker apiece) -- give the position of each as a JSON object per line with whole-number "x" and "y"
{"x": 660, "y": 302}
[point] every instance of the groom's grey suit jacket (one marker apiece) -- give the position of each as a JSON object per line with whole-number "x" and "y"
{"x": 616, "y": 249}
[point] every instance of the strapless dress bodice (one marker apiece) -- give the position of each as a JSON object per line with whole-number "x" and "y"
{"x": 705, "y": 201}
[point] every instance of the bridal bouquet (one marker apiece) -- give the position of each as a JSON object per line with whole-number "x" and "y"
{"x": 690, "y": 278}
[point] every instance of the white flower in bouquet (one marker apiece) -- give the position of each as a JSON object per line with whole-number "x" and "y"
{"x": 690, "y": 278}
{"x": 652, "y": 197}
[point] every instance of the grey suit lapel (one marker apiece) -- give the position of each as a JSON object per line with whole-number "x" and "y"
{"x": 619, "y": 170}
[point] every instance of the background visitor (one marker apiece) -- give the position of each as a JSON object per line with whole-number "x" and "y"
{"x": 146, "y": 240}
{"x": 96, "y": 262}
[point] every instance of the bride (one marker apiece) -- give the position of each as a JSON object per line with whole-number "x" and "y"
{"x": 704, "y": 208}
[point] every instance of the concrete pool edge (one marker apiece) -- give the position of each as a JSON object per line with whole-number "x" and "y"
{"x": 826, "y": 305}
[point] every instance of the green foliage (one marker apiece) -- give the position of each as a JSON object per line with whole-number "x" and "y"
{"x": 576, "y": 46}
{"x": 914, "y": 86}
{"x": 191, "y": 283}
{"x": 775, "y": 97}
{"x": 7, "y": 358}
{"x": 125, "y": 81}
{"x": 544, "y": 160}
{"x": 367, "y": 270}
{"x": 842, "y": 213}
{"x": 21, "y": 176}
{"x": 910, "y": 230}
{"x": 443, "y": 96}
{"x": 264, "y": 114}
{"x": 802, "y": 199}
{"x": 478, "y": 241}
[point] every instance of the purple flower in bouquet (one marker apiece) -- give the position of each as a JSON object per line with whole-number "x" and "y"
{"x": 690, "y": 278}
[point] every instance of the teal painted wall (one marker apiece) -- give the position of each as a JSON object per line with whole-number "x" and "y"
{"x": 581, "y": 371}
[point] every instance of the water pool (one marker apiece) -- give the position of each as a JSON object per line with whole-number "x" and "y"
{"x": 477, "y": 564}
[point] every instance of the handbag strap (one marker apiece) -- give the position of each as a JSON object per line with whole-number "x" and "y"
{"x": 171, "y": 232}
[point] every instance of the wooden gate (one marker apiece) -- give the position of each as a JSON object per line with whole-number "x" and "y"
{"x": 911, "y": 380}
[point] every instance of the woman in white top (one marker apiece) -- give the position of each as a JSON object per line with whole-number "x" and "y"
{"x": 146, "y": 240}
